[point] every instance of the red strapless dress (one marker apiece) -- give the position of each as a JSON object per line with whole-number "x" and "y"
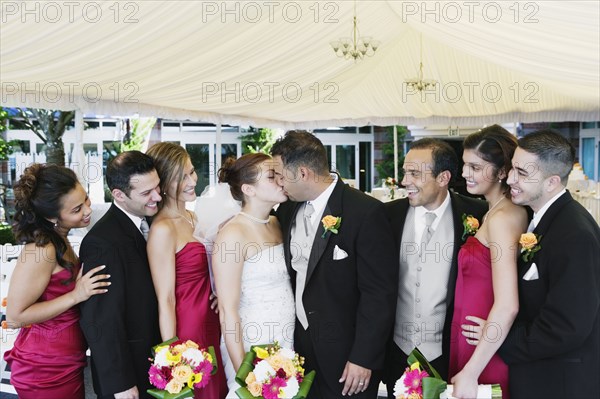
{"x": 195, "y": 320}
{"x": 474, "y": 297}
{"x": 48, "y": 358}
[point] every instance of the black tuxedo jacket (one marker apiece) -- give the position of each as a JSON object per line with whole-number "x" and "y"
{"x": 120, "y": 326}
{"x": 350, "y": 303}
{"x": 397, "y": 211}
{"x": 553, "y": 348}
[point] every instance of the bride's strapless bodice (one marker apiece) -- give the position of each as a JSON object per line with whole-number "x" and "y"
{"x": 267, "y": 308}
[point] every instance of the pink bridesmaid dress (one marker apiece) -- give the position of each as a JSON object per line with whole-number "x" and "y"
{"x": 48, "y": 358}
{"x": 195, "y": 319}
{"x": 474, "y": 297}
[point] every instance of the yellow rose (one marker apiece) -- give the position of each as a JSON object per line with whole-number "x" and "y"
{"x": 250, "y": 378}
{"x": 174, "y": 386}
{"x": 181, "y": 373}
{"x": 329, "y": 221}
{"x": 255, "y": 389}
{"x": 528, "y": 240}
{"x": 472, "y": 222}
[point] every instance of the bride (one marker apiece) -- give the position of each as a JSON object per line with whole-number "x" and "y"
{"x": 256, "y": 303}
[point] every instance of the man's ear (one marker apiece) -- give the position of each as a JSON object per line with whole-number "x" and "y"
{"x": 303, "y": 173}
{"x": 553, "y": 182}
{"x": 118, "y": 195}
{"x": 444, "y": 178}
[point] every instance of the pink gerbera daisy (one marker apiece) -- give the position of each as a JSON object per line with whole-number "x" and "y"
{"x": 157, "y": 377}
{"x": 271, "y": 388}
{"x": 413, "y": 380}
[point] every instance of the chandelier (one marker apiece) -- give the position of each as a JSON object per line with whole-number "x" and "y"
{"x": 356, "y": 46}
{"x": 419, "y": 83}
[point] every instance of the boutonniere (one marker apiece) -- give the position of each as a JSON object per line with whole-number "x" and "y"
{"x": 529, "y": 245}
{"x": 470, "y": 225}
{"x": 331, "y": 223}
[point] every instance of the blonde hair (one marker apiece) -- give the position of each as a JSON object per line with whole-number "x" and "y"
{"x": 169, "y": 161}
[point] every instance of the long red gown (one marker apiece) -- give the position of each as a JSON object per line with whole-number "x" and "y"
{"x": 195, "y": 320}
{"x": 474, "y": 297}
{"x": 48, "y": 358}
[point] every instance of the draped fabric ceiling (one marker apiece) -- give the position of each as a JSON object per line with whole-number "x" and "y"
{"x": 269, "y": 63}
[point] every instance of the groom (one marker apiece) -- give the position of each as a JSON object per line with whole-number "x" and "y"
{"x": 342, "y": 261}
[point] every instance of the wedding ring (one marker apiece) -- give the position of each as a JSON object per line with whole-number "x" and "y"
{"x": 361, "y": 383}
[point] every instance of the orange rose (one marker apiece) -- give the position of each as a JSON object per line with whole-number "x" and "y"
{"x": 329, "y": 221}
{"x": 255, "y": 389}
{"x": 472, "y": 222}
{"x": 174, "y": 386}
{"x": 250, "y": 378}
{"x": 181, "y": 373}
{"x": 528, "y": 240}
{"x": 191, "y": 344}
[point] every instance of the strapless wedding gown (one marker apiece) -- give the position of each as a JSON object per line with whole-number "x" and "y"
{"x": 267, "y": 309}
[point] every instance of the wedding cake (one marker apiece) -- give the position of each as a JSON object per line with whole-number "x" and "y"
{"x": 577, "y": 173}
{"x": 577, "y": 179}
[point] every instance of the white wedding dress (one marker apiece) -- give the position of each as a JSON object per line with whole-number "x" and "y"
{"x": 267, "y": 309}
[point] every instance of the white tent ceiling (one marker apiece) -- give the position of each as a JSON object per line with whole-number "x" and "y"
{"x": 269, "y": 63}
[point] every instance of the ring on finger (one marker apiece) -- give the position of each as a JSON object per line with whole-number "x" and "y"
{"x": 361, "y": 383}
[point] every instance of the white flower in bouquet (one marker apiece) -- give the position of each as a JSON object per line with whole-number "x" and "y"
{"x": 263, "y": 370}
{"x": 287, "y": 353}
{"x": 160, "y": 357}
{"x": 291, "y": 389}
{"x": 193, "y": 356}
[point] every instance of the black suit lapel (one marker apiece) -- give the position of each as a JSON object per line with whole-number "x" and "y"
{"x": 129, "y": 228}
{"x": 334, "y": 208}
{"x": 546, "y": 221}
{"x": 458, "y": 208}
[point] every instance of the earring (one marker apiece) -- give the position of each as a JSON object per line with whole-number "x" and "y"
{"x": 56, "y": 224}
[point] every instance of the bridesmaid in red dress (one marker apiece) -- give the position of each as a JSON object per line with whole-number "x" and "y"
{"x": 179, "y": 263}
{"x": 486, "y": 299}
{"x": 48, "y": 356}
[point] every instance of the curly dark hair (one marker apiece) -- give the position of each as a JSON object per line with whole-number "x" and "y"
{"x": 38, "y": 197}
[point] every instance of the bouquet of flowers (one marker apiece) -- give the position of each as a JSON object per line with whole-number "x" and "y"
{"x": 421, "y": 381}
{"x": 178, "y": 367}
{"x": 273, "y": 372}
{"x": 392, "y": 184}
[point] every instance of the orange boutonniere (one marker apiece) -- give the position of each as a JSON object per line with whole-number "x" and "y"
{"x": 331, "y": 223}
{"x": 529, "y": 245}
{"x": 470, "y": 225}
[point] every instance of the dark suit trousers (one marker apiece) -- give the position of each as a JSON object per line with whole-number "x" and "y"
{"x": 326, "y": 386}
{"x": 396, "y": 364}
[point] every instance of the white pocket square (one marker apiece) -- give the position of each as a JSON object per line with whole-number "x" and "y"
{"x": 339, "y": 253}
{"x": 532, "y": 273}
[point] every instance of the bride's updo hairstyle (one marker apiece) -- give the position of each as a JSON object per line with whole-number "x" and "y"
{"x": 244, "y": 170}
{"x": 39, "y": 195}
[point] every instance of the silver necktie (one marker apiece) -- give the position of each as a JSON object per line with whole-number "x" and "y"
{"x": 144, "y": 228}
